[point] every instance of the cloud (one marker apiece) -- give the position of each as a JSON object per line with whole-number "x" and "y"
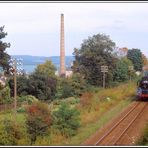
{"x": 45, "y": 17}
{"x": 81, "y": 20}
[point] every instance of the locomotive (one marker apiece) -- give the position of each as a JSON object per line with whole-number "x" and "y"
{"x": 142, "y": 91}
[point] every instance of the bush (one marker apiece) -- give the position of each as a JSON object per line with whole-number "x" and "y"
{"x": 21, "y": 110}
{"x": 5, "y": 96}
{"x": 144, "y": 139}
{"x": 71, "y": 87}
{"x": 71, "y": 100}
{"x": 38, "y": 120}
{"x": 64, "y": 89}
{"x": 29, "y": 99}
{"x": 10, "y": 132}
{"x": 37, "y": 84}
{"x": 66, "y": 120}
{"x": 42, "y": 86}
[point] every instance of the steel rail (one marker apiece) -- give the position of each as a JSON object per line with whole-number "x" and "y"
{"x": 129, "y": 125}
{"x": 102, "y": 138}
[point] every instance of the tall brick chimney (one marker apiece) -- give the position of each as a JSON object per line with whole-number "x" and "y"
{"x": 62, "y": 48}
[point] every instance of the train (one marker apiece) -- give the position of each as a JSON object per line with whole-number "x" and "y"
{"x": 142, "y": 90}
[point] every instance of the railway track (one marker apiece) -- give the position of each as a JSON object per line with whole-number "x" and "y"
{"x": 114, "y": 135}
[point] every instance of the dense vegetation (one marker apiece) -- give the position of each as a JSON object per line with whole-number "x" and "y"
{"x": 54, "y": 109}
{"x": 144, "y": 139}
{"x": 135, "y": 56}
{"x": 4, "y": 57}
{"x": 95, "y": 52}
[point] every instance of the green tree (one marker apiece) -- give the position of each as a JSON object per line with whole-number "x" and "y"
{"x": 5, "y": 96}
{"x": 95, "y": 52}
{"x": 72, "y": 86}
{"x": 66, "y": 120}
{"x": 78, "y": 84}
{"x": 41, "y": 86}
{"x": 46, "y": 68}
{"x": 4, "y": 64}
{"x": 135, "y": 55}
{"x": 121, "y": 72}
{"x": 22, "y": 85}
{"x": 64, "y": 89}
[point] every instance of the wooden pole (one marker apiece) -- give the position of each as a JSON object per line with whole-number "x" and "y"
{"x": 103, "y": 79}
{"x": 15, "y": 88}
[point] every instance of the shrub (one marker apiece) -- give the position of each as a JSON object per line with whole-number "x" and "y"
{"x": 5, "y": 96}
{"x": 21, "y": 110}
{"x": 66, "y": 120}
{"x": 71, "y": 87}
{"x": 38, "y": 120}
{"x": 64, "y": 89}
{"x": 29, "y": 99}
{"x": 144, "y": 139}
{"x": 9, "y": 132}
{"x": 42, "y": 86}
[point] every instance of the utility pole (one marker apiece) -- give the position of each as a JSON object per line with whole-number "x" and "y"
{"x": 15, "y": 88}
{"x": 130, "y": 68}
{"x": 103, "y": 79}
{"x": 14, "y": 63}
{"x": 104, "y": 69}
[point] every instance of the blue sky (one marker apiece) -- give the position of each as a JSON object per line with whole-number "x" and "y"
{"x": 34, "y": 28}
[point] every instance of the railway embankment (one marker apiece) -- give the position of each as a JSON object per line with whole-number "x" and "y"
{"x": 125, "y": 129}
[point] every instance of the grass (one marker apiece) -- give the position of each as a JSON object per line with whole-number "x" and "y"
{"x": 87, "y": 130}
{"x": 96, "y": 109}
{"x": 99, "y": 103}
{"x": 20, "y": 117}
{"x": 144, "y": 139}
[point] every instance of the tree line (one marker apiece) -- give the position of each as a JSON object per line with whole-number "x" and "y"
{"x": 94, "y": 52}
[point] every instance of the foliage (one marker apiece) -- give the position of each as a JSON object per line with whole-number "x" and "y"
{"x": 64, "y": 89}
{"x": 29, "y": 99}
{"x": 95, "y": 52}
{"x": 144, "y": 59}
{"x": 4, "y": 64}
{"x": 38, "y": 120}
{"x": 78, "y": 84}
{"x": 21, "y": 110}
{"x": 41, "y": 83}
{"x": 66, "y": 120}
{"x": 71, "y": 87}
{"x": 42, "y": 86}
{"x": 10, "y": 132}
{"x": 135, "y": 56}
{"x": 22, "y": 85}
{"x": 121, "y": 72}
{"x": 5, "y": 96}
{"x": 144, "y": 139}
{"x": 37, "y": 84}
{"x": 46, "y": 68}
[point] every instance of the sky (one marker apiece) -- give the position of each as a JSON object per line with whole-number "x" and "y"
{"x": 34, "y": 28}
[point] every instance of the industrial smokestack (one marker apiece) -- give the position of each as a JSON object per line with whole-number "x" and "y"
{"x": 62, "y": 48}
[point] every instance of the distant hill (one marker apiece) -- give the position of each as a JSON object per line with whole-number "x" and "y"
{"x": 33, "y": 61}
